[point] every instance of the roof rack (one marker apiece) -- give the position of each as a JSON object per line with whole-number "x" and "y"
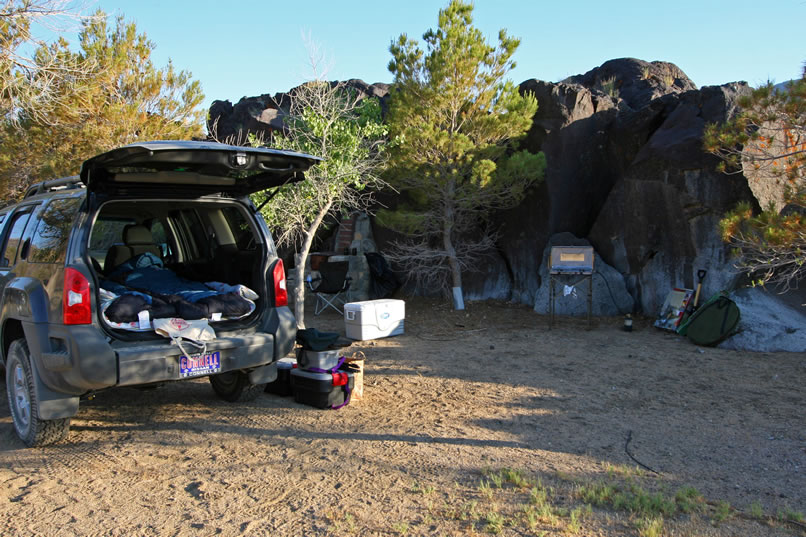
{"x": 67, "y": 183}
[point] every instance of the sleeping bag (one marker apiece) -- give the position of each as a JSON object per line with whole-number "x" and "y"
{"x": 143, "y": 284}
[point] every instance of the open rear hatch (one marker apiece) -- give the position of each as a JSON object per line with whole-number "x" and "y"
{"x": 171, "y": 168}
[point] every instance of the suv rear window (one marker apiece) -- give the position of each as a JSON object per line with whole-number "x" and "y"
{"x": 49, "y": 242}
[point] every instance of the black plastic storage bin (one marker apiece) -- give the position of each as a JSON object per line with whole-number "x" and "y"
{"x": 282, "y": 384}
{"x": 321, "y": 390}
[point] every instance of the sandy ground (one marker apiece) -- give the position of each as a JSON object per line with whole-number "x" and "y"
{"x": 448, "y": 405}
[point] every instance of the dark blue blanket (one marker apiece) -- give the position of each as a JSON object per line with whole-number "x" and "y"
{"x": 144, "y": 284}
{"x": 146, "y": 273}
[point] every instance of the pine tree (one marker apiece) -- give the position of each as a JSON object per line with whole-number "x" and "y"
{"x": 125, "y": 98}
{"x": 767, "y": 140}
{"x": 455, "y": 121}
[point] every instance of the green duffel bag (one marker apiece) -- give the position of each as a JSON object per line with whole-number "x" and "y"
{"x": 712, "y": 322}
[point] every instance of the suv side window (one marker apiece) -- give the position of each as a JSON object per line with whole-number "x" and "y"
{"x": 191, "y": 234}
{"x": 244, "y": 236}
{"x": 161, "y": 239}
{"x": 49, "y": 242}
{"x": 18, "y": 222}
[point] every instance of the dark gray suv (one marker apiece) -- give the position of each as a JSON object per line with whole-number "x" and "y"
{"x": 152, "y": 266}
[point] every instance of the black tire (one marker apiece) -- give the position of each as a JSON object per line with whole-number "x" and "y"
{"x": 23, "y": 403}
{"x": 235, "y": 387}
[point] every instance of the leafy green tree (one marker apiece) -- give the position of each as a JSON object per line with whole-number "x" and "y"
{"x": 455, "y": 122}
{"x": 767, "y": 142}
{"x": 343, "y": 127}
{"x": 126, "y": 99}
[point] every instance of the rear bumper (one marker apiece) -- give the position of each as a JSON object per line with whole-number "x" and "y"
{"x": 144, "y": 364}
{"x": 78, "y": 359}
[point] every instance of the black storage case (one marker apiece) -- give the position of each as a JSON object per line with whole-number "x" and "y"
{"x": 317, "y": 389}
{"x": 282, "y": 384}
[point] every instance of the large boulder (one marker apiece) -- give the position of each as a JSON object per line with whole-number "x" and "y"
{"x": 259, "y": 115}
{"x": 660, "y": 223}
{"x": 635, "y": 81}
{"x": 264, "y": 114}
{"x": 767, "y": 323}
{"x": 629, "y": 173}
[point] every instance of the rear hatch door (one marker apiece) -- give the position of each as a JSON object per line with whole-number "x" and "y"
{"x": 169, "y": 168}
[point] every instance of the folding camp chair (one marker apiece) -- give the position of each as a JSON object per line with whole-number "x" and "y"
{"x": 330, "y": 286}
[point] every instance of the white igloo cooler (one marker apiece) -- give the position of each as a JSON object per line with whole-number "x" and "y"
{"x": 372, "y": 319}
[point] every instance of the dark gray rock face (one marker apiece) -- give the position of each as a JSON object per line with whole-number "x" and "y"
{"x": 636, "y": 81}
{"x": 628, "y": 173}
{"x": 571, "y": 127}
{"x": 260, "y": 115}
{"x": 264, "y": 114}
{"x": 659, "y": 224}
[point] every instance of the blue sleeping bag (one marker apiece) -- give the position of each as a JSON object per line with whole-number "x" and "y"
{"x": 146, "y": 272}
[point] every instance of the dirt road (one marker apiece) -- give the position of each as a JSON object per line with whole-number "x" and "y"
{"x": 448, "y": 406}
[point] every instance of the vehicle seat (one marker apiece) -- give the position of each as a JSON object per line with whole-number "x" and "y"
{"x": 137, "y": 240}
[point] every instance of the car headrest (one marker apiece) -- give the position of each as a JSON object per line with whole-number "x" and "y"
{"x": 137, "y": 234}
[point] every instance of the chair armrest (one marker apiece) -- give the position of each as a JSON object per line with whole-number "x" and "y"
{"x": 312, "y": 281}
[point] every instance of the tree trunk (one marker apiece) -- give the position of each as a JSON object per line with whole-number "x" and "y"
{"x": 302, "y": 259}
{"x": 450, "y": 251}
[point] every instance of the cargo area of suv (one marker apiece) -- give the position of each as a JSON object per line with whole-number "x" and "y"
{"x": 160, "y": 255}
{"x": 153, "y": 266}
{"x": 199, "y": 261}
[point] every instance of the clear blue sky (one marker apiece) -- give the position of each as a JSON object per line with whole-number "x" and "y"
{"x": 250, "y": 47}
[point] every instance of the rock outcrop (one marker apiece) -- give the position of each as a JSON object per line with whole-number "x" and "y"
{"x": 660, "y": 222}
{"x": 257, "y": 115}
{"x": 766, "y": 324}
{"x": 626, "y": 172}
{"x": 264, "y": 114}
{"x": 635, "y": 82}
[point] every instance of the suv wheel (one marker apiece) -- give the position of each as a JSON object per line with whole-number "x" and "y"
{"x": 23, "y": 403}
{"x": 235, "y": 387}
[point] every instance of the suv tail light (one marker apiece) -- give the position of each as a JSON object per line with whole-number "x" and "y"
{"x": 76, "y": 306}
{"x": 280, "y": 289}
